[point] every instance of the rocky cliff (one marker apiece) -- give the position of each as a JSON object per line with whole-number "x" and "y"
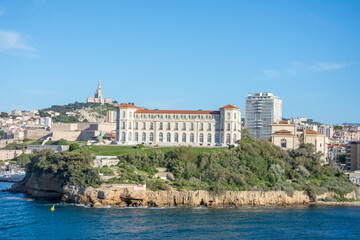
{"x": 47, "y": 186}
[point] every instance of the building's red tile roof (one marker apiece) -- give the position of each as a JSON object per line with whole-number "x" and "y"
{"x": 229, "y": 106}
{"x": 128, "y": 105}
{"x": 310, "y": 131}
{"x": 176, "y": 111}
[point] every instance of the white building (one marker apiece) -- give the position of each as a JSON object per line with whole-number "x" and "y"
{"x": 136, "y": 125}
{"x": 261, "y": 110}
{"x": 98, "y": 97}
{"x": 327, "y": 130}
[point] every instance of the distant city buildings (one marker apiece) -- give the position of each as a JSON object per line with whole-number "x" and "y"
{"x": 261, "y": 110}
{"x": 98, "y": 97}
{"x": 136, "y": 125}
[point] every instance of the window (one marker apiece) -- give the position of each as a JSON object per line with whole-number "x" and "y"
{"x": 184, "y": 138}
{"x": 151, "y": 126}
{"x": 201, "y": 137}
{"x": 176, "y": 137}
{"x": 201, "y": 126}
{"x": 161, "y": 137}
{"x": 136, "y": 125}
{"x": 123, "y": 125}
{"x": 129, "y": 125}
{"x": 161, "y": 126}
{"x": 228, "y": 115}
{"x": 234, "y": 137}
{"x": 234, "y": 126}
{"x": 209, "y": 138}
{"x": 130, "y": 114}
{"x": 283, "y": 143}
{"x": 217, "y": 126}
{"x": 123, "y": 114}
{"x": 168, "y": 137}
{"x": 184, "y": 126}
{"x": 228, "y": 126}
{"x": 168, "y": 126}
{"x": 144, "y": 126}
{"x": 191, "y": 126}
{"x": 209, "y": 126}
{"x": 234, "y": 115}
{"x": 176, "y": 126}
{"x": 144, "y": 137}
{"x": 192, "y": 137}
{"x": 228, "y": 138}
{"x": 217, "y": 138}
{"x": 123, "y": 136}
{"x": 129, "y": 136}
{"x": 151, "y": 137}
{"x": 136, "y": 137}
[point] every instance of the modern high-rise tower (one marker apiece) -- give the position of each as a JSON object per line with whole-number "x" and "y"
{"x": 261, "y": 110}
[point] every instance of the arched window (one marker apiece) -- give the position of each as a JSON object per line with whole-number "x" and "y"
{"x": 228, "y": 126}
{"x": 123, "y": 114}
{"x": 151, "y": 126}
{"x": 123, "y": 125}
{"x": 136, "y": 137}
{"x": 201, "y": 126}
{"x": 161, "y": 137}
{"x": 184, "y": 126}
{"x": 209, "y": 138}
{"x": 161, "y": 126}
{"x": 228, "y": 115}
{"x": 217, "y": 138}
{"x": 184, "y": 138}
{"x": 129, "y": 136}
{"x": 234, "y": 126}
{"x": 123, "y": 136}
{"x": 144, "y": 125}
{"x": 192, "y": 126}
{"x": 168, "y": 126}
{"x": 192, "y": 137}
{"x": 228, "y": 138}
{"x": 129, "y": 125}
{"x": 151, "y": 137}
{"x": 176, "y": 137}
{"x": 201, "y": 137}
{"x": 209, "y": 126}
{"x": 144, "y": 137}
{"x": 168, "y": 137}
{"x": 176, "y": 125}
{"x": 136, "y": 125}
{"x": 283, "y": 143}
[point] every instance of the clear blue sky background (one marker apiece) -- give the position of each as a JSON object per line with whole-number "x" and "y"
{"x": 183, "y": 54}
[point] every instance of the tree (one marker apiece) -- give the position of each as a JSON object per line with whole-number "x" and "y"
{"x": 342, "y": 158}
{"x": 73, "y": 146}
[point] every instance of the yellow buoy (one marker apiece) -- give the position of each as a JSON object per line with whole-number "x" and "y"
{"x": 53, "y": 208}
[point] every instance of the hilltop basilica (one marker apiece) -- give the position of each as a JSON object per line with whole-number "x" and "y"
{"x": 98, "y": 98}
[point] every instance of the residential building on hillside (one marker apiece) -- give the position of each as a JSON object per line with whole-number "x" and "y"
{"x": 353, "y": 155}
{"x": 136, "y": 125}
{"x": 327, "y": 130}
{"x": 261, "y": 110}
{"x": 334, "y": 151}
{"x": 98, "y": 98}
{"x": 288, "y": 136}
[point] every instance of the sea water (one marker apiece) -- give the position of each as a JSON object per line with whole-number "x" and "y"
{"x": 23, "y": 218}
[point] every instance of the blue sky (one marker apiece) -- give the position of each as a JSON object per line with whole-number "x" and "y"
{"x": 183, "y": 54}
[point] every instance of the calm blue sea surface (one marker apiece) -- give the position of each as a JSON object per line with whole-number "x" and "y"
{"x": 22, "y": 218}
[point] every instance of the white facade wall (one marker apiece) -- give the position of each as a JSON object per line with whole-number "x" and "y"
{"x": 261, "y": 110}
{"x": 218, "y": 128}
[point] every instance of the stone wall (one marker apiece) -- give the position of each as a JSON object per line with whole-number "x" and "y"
{"x": 10, "y": 154}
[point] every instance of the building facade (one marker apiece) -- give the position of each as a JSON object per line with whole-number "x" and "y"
{"x": 288, "y": 136}
{"x": 261, "y": 110}
{"x": 98, "y": 97}
{"x": 136, "y": 125}
{"x": 353, "y": 155}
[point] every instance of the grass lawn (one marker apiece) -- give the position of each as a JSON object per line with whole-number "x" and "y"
{"x": 119, "y": 150}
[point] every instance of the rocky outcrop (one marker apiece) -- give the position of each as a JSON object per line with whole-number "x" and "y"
{"x": 124, "y": 195}
{"x": 44, "y": 186}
